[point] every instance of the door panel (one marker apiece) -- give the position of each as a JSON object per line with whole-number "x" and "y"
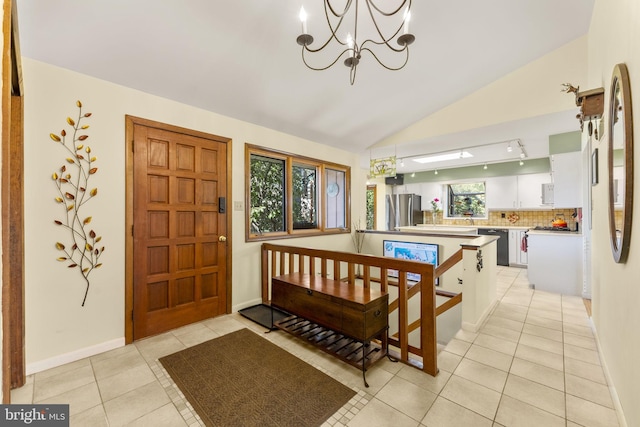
{"x": 179, "y": 262}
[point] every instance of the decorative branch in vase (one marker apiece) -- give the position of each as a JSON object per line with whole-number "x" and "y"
{"x": 358, "y": 241}
{"x": 72, "y": 186}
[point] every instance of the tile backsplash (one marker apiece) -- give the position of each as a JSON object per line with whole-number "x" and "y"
{"x": 524, "y": 218}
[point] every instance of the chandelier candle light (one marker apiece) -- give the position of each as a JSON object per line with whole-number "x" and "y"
{"x": 351, "y": 46}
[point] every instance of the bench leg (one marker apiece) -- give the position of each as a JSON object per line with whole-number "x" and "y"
{"x": 364, "y": 370}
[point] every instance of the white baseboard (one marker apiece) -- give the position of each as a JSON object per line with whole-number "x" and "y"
{"x": 72, "y": 356}
{"x": 475, "y": 327}
{"x": 239, "y": 307}
{"x": 614, "y": 394}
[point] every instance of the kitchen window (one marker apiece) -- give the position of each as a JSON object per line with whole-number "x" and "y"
{"x": 289, "y": 195}
{"x": 466, "y": 200}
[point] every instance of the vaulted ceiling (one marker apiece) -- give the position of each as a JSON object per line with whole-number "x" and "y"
{"x": 240, "y": 58}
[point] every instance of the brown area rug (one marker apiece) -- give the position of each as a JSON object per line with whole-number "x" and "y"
{"x": 241, "y": 379}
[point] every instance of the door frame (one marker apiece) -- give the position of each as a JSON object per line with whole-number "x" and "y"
{"x": 130, "y": 122}
{"x": 13, "y": 325}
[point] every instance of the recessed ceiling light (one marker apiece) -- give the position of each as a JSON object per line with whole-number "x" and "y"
{"x": 444, "y": 157}
{"x": 485, "y": 166}
{"x": 435, "y": 172}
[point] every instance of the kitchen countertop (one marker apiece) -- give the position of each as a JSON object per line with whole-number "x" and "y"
{"x": 533, "y": 232}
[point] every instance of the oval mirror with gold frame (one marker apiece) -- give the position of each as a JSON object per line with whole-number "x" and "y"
{"x": 620, "y": 161}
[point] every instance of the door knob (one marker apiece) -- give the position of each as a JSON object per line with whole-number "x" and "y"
{"x": 222, "y": 239}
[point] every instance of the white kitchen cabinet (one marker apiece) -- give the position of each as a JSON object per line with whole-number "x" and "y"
{"x": 555, "y": 262}
{"x": 523, "y": 247}
{"x": 567, "y": 176}
{"x": 501, "y": 192}
{"x": 516, "y": 192}
{"x": 530, "y": 190}
{"x": 517, "y": 253}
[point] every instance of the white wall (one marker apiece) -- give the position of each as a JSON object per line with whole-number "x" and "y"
{"x": 58, "y": 329}
{"x": 614, "y": 37}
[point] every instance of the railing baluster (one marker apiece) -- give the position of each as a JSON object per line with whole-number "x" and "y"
{"x": 403, "y": 315}
{"x": 282, "y": 262}
{"x": 366, "y": 277}
{"x": 428, "y": 336}
{"x": 312, "y": 265}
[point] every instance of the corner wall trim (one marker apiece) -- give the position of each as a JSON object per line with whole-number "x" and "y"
{"x": 62, "y": 359}
{"x": 475, "y": 327}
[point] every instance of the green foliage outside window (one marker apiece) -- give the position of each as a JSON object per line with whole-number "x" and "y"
{"x": 467, "y": 200}
{"x": 304, "y": 197}
{"x": 371, "y": 204}
{"x": 267, "y": 194}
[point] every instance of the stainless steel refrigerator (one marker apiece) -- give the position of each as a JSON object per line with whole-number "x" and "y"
{"x": 403, "y": 210}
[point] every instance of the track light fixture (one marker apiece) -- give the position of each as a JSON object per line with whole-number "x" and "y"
{"x": 353, "y": 46}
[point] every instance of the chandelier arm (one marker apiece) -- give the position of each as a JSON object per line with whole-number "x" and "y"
{"x": 371, "y": 2}
{"x": 375, "y": 24}
{"x": 327, "y": 4}
{"x": 385, "y": 66}
{"x": 397, "y": 50}
{"x": 323, "y": 68}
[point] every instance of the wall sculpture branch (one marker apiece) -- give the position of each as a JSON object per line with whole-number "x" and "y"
{"x": 72, "y": 181}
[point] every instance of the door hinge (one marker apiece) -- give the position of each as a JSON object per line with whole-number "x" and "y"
{"x": 133, "y": 146}
{"x": 132, "y": 230}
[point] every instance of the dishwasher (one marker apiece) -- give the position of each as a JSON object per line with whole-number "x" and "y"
{"x": 502, "y": 243}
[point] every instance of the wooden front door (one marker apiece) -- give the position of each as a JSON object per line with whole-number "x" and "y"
{"x": 179, "y": 228}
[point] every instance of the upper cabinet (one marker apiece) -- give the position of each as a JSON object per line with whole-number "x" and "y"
{"x": 567, "y": 192}
{"x": 516, "y": 192}
{"x": 530, "y": 190}
{"x": 502, "y": 192}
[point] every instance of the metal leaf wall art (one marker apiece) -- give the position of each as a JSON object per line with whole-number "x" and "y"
{"x": 82, "y": 250}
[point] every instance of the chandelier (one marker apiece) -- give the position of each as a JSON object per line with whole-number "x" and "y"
{"x": 353, "y": 46}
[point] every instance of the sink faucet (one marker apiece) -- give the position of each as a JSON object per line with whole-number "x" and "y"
{"x": 469, "y": 219}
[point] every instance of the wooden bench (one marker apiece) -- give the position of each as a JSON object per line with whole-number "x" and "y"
{"x": 340, "y": 318}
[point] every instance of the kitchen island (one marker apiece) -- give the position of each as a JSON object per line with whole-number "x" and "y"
{"x": 555, "y": 261}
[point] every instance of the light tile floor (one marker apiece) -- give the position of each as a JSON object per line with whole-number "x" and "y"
{"x": 533, "y": 363}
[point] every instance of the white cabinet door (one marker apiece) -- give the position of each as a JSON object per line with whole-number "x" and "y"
{"x": 513, "y": 247}
{"x": 567, "y": 172}
{"x": 517, "y": 251}
{"x": 523, "y": 250}
{"x": 502, "y": 192}
{"x": 530, "y": 190}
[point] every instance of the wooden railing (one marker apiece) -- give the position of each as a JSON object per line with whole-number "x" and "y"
{"x": 373, "y": 270}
